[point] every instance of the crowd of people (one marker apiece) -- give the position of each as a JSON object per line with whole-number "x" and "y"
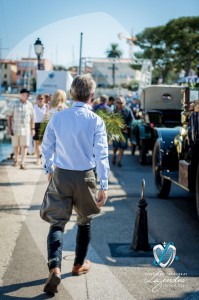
{"x": 128, "y": 109}
{"x": 25, "y": 119}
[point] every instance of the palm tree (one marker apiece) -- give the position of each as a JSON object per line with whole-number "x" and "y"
{"x": 114, "y": 52}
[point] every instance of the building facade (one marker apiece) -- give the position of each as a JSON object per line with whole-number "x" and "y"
{"x": 8, "y": 75}
{"x": 107, "y": 72}
{"x": 18, "y": 74}
{"x": 26, "y": 71}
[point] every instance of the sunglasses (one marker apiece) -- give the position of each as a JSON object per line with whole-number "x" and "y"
{"x": 40, "y": 98}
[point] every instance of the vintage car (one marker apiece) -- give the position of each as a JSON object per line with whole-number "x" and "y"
{"x": 161, "y": 107}
{"x": 176, "y": 151}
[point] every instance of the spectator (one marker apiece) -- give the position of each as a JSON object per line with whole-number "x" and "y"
{"x": 40, "y": 110}
{"x": 135, "y": 104}
{"x": 94, "y": 102}
{"x": 127, "y": 116}
{"x": 111, "y": 103}
{"x": 58, "y": 103}
{"x": 47, "y": 100}
{"x": 103, "y": 104}
{"x": 20, "y": 126}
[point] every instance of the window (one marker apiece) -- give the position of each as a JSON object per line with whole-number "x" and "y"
{"x": 166, "y": 98}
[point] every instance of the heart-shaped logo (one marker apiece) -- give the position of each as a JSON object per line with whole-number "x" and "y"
{"x": 164, "y": 255}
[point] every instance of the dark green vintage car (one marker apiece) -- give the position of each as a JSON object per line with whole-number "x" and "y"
{"x": 176, "y": 151}
{"x": 161, "y": 107}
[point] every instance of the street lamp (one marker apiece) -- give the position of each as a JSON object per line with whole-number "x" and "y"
{"x": 80, "y": 54}
{"x": 113, "y": 72}
{"x": 39, "y": 50}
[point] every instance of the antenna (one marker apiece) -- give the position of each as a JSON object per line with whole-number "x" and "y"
{"x": 146, "y": 70}
{"x": 29, "y": 68}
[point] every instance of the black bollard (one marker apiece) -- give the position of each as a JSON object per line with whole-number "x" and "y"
{"x": 140, "y": 237}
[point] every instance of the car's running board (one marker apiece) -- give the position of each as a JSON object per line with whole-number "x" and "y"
{"x": 173, "y": 177}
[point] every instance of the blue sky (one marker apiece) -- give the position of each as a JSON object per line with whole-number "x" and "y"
{"x": 59, "y": 23}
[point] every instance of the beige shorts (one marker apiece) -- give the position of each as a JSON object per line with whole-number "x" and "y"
{"x": 20, "y": 140}
{"x": 69, "y": 190}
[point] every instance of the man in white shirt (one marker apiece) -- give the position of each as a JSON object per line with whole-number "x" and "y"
{"x": 74, "y": 143}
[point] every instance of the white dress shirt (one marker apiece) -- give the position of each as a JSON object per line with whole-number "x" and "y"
{"x": 40, "y": 113}
{"x": 76, "y": 139}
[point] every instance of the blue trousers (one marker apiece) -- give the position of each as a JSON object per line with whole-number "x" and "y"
{"x": 55, "y": 245}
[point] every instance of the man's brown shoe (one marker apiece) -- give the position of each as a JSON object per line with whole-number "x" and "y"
{"x": 52, "y": 282}
{"x": 81, "y": 269}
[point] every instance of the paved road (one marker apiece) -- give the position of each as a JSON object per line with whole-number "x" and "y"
{"x": 117, "y": 273}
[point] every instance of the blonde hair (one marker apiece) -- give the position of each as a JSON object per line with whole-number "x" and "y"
{"x": 96, "y": 101}
{"x": 59, "y": 97}
{"x": 82, "y": 87}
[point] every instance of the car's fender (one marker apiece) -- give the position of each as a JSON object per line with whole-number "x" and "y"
{"x": 165, "y": 137}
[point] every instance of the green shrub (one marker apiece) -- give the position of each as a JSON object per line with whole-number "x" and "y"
{"x": 113, "y": 121}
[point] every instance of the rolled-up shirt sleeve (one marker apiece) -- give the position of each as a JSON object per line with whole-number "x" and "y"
{"x": 100, "y": 151}
{"x": 48, "y": 148}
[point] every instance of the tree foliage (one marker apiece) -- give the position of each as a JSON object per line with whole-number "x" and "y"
{"x": 59, "y": 68}
{"x": 172, "y": 47}
{"x": 114, "y": 124}
{"x": 114, "y": 51}
{"x": 113, "y": 121}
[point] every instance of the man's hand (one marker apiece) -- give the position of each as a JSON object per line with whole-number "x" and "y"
{"x": 102, "y": 197}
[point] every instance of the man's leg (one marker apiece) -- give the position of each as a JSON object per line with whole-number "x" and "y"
{"x": 15, "y": 144}
{"x": 56, "y": 209}
{"x": 16, "y": 155}
{"x": 23, "y": 155}
{"x": 82, "y": 242}
{"x": 121, "y": 151}
{"x": 84, "y": 203}
{"x": 123, "y": 146}
{"x": 54, "y": 245}
{"x": 114, "y": 155}
{"x": 24, "y": 144}
{"x": 37, "y": 151}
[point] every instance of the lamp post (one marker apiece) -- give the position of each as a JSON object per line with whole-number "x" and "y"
{"x": 80, "y": 54}
{"x": 39, "y": 50}
{"x": 113, "y": 72}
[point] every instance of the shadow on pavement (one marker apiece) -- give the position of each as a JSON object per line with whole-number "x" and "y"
{"x": 185, "y": 296}
{"x": 14, "y": 287}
